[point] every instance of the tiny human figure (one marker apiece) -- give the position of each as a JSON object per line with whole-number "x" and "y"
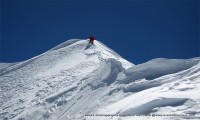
{"x": 91, "y": 40}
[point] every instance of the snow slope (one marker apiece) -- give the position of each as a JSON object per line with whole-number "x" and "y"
{"x": 5, "y": 65}
{"x": 45, "y": 78}
{"x": 79, "y": 81}
{"x": 178, "y": 95}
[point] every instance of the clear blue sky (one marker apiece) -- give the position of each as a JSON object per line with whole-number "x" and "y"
{"x": 137, "y": 30}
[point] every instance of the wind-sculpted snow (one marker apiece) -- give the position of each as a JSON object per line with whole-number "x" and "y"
{"x": 140, "y": 85}
{"x": 116, "y": 68}
{"x": 158, "y": 67}
{"x": 176, "y": 97}
{"x": 45, "y": 81}
{"x": 65, "y": 44}
{"x": 55, "y": 96}
{"x": 150, "y": 106}
{"x": 79, "y": 81}
{"x": 5, "y": 65}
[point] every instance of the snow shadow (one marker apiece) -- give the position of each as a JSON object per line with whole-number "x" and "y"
{"x": 56, "y": 95}
{"x": 106, "y": 74}
{"x": 88, "y": 46}
{"x": 136, "y": 87}
{"x": 116, "y": 67}
{"x": 148, "y": 108}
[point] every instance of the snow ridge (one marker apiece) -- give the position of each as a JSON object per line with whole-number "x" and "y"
{"x": 76, "y": 80}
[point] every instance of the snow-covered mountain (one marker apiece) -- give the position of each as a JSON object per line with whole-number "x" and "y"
{"x": 79, "y": 81}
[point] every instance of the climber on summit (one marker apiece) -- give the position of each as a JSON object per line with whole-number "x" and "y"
{"x": 91, "y": 40}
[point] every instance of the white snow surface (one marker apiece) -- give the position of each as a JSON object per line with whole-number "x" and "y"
{"x": 79, "y": 81}
{"x": 5, "y": 65}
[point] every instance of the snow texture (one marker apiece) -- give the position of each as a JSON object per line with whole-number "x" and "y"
{"x": 79, "y": 81}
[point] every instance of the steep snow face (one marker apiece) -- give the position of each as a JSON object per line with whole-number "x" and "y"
{"x": 79, "y": 81}
{"x": 50, "y": 78}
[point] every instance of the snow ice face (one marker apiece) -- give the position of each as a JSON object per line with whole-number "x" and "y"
{"x": 80, "y": 81}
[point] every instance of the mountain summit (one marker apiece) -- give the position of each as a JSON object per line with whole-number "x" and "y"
{"x": 79, "y": 81}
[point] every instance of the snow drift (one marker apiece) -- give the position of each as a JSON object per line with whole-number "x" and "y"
{"x": 77, "y": 81}
{"x": 159, "y": 67}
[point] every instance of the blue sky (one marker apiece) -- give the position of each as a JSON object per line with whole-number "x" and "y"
{"x": 137, "y": 30}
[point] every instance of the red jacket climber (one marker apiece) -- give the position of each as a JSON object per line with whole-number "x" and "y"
{"x": 91, "y": 40}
